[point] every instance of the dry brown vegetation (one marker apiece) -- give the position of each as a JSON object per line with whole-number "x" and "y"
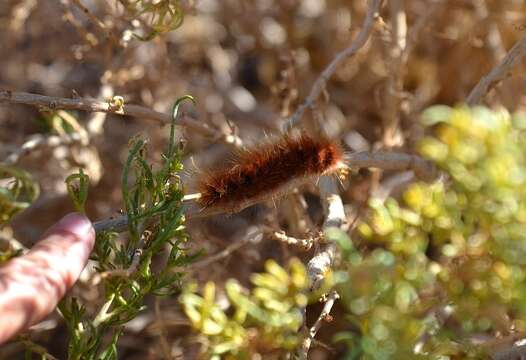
{"x": 249, "y": 65}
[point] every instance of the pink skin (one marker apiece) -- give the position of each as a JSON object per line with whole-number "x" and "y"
{"x": 32, "y": 285}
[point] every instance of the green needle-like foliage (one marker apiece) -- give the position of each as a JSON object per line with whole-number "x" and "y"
{"x": 161, "y": 16}
{"x": 19, "y": 191}
{"x": 153, "y": 202}
{"x": 77, "y": 186}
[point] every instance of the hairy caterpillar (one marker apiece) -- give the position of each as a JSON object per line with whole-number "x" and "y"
{"x": 268, "y": 171}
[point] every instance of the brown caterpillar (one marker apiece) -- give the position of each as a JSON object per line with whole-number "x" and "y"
{"x": 268, "y": 171}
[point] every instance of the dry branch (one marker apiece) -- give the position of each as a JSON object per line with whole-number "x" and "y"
{"x": 324, "y": 316}
{"x": 357, "y": 44}
{"x": 98, "y": 23}
{"x": 332, "y": 203}
{"x": 321, "y": 263}
{"x": 395, "y": 81}
{"x": 498, "y": 73}
{"x": 92, "y": 105}
{"x": 38, "y": 141}
{"x": 252, "y": 236}
{"x": 125, "y": 273}
{"x": 304, "y": 244}
{"x": 118, "y": 224}
{"x": 324, "y": 258}
{"x": 509, "y": 347}
{"x": 418, "y": 27}
{"x": 392, "y": 161}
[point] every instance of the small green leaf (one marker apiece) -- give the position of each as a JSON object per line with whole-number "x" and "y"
{"x": 436, "y": 114}
{"x": 77, "y": 186}
{"x": 341, "y": 238}
{"x": 175, "y": 112}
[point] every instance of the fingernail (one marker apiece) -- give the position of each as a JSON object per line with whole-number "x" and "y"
{"x": 75, "y": 223}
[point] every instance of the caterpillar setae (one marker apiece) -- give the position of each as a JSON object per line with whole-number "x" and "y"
{"x": 268, "y": 171}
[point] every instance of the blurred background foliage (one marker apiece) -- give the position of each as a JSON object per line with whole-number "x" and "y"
{"x": 434, "y": 270}
{"x": 18, "y": 191}
{"x": 448, "y": 258}
{"x": 265, "y": 320}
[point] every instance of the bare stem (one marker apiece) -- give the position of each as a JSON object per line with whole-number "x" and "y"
{"x": 118, "y": 224}
{"x": 98, "y": 23}
{"x": 394, "y": 89}
{"x": 357, "y": 44}
{"x": 38, "y": 141}
{"x": 304, "y": 244}
{"x": 323, "y": 260}
{"x": 38, "y": 349}
{"x": 125, "y": 273}
{"x": 324, "y": 316}
{"x": 512, "y": 346}
{"x": 252, "y": 236}
{"x": 498, "y": 73}
{"x": 92, "y": 105}
{"x": 424, "y": 169}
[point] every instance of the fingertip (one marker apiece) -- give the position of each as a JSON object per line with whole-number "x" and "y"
{"x": 77, "y": 224}
{"x": 32, "y": 285}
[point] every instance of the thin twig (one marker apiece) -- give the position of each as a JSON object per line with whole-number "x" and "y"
{"x": 39, "y": 140}
{"x": 92, "y": 105}
{"x": 252, "y": 236}
{"x": 98, "y": 23}
{"x": 498, "y": 73}
{"x": 159, "y": 317}
{"x": 324, "y": 346}
{"x": 124, "y": 273}
{"x": 392, "y": 161}
{"x": 68, "y": 16}
{"x": 424, "y": 20}
{"x": 324, "y": 317}
{"x": 402, "y": 42}
{"x": 38, "y": 349}
{"x": 509, "y": 347}
{"x": 95, "y": 122}
{"x": 304, "y": 244}
{"x": 80, "y": 135}
{"x": 437, "y": 316}
{"x": 321, "y": 263}
{"x": 418, "y": 27}
{"x": 357, "y": 44}
{"x": 118, "y": 224}
{"x": 395, "y": 64}
{"x": 393, "y": 183}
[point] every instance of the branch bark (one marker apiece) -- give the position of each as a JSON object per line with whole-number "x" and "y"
{"x": 324, "y": 316}
{"x": 92, "y": 105}
{"x": 321, "y": 263}
{"x": 498, "y": 73}
{"x": 384, "y": 160}
{"x": 395, "y": 84}
{"x": 332, "y": 203}
{"x": 319, "y": 84}
{"x": 38, "y": 141}
{"x": 251, "y": 237}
